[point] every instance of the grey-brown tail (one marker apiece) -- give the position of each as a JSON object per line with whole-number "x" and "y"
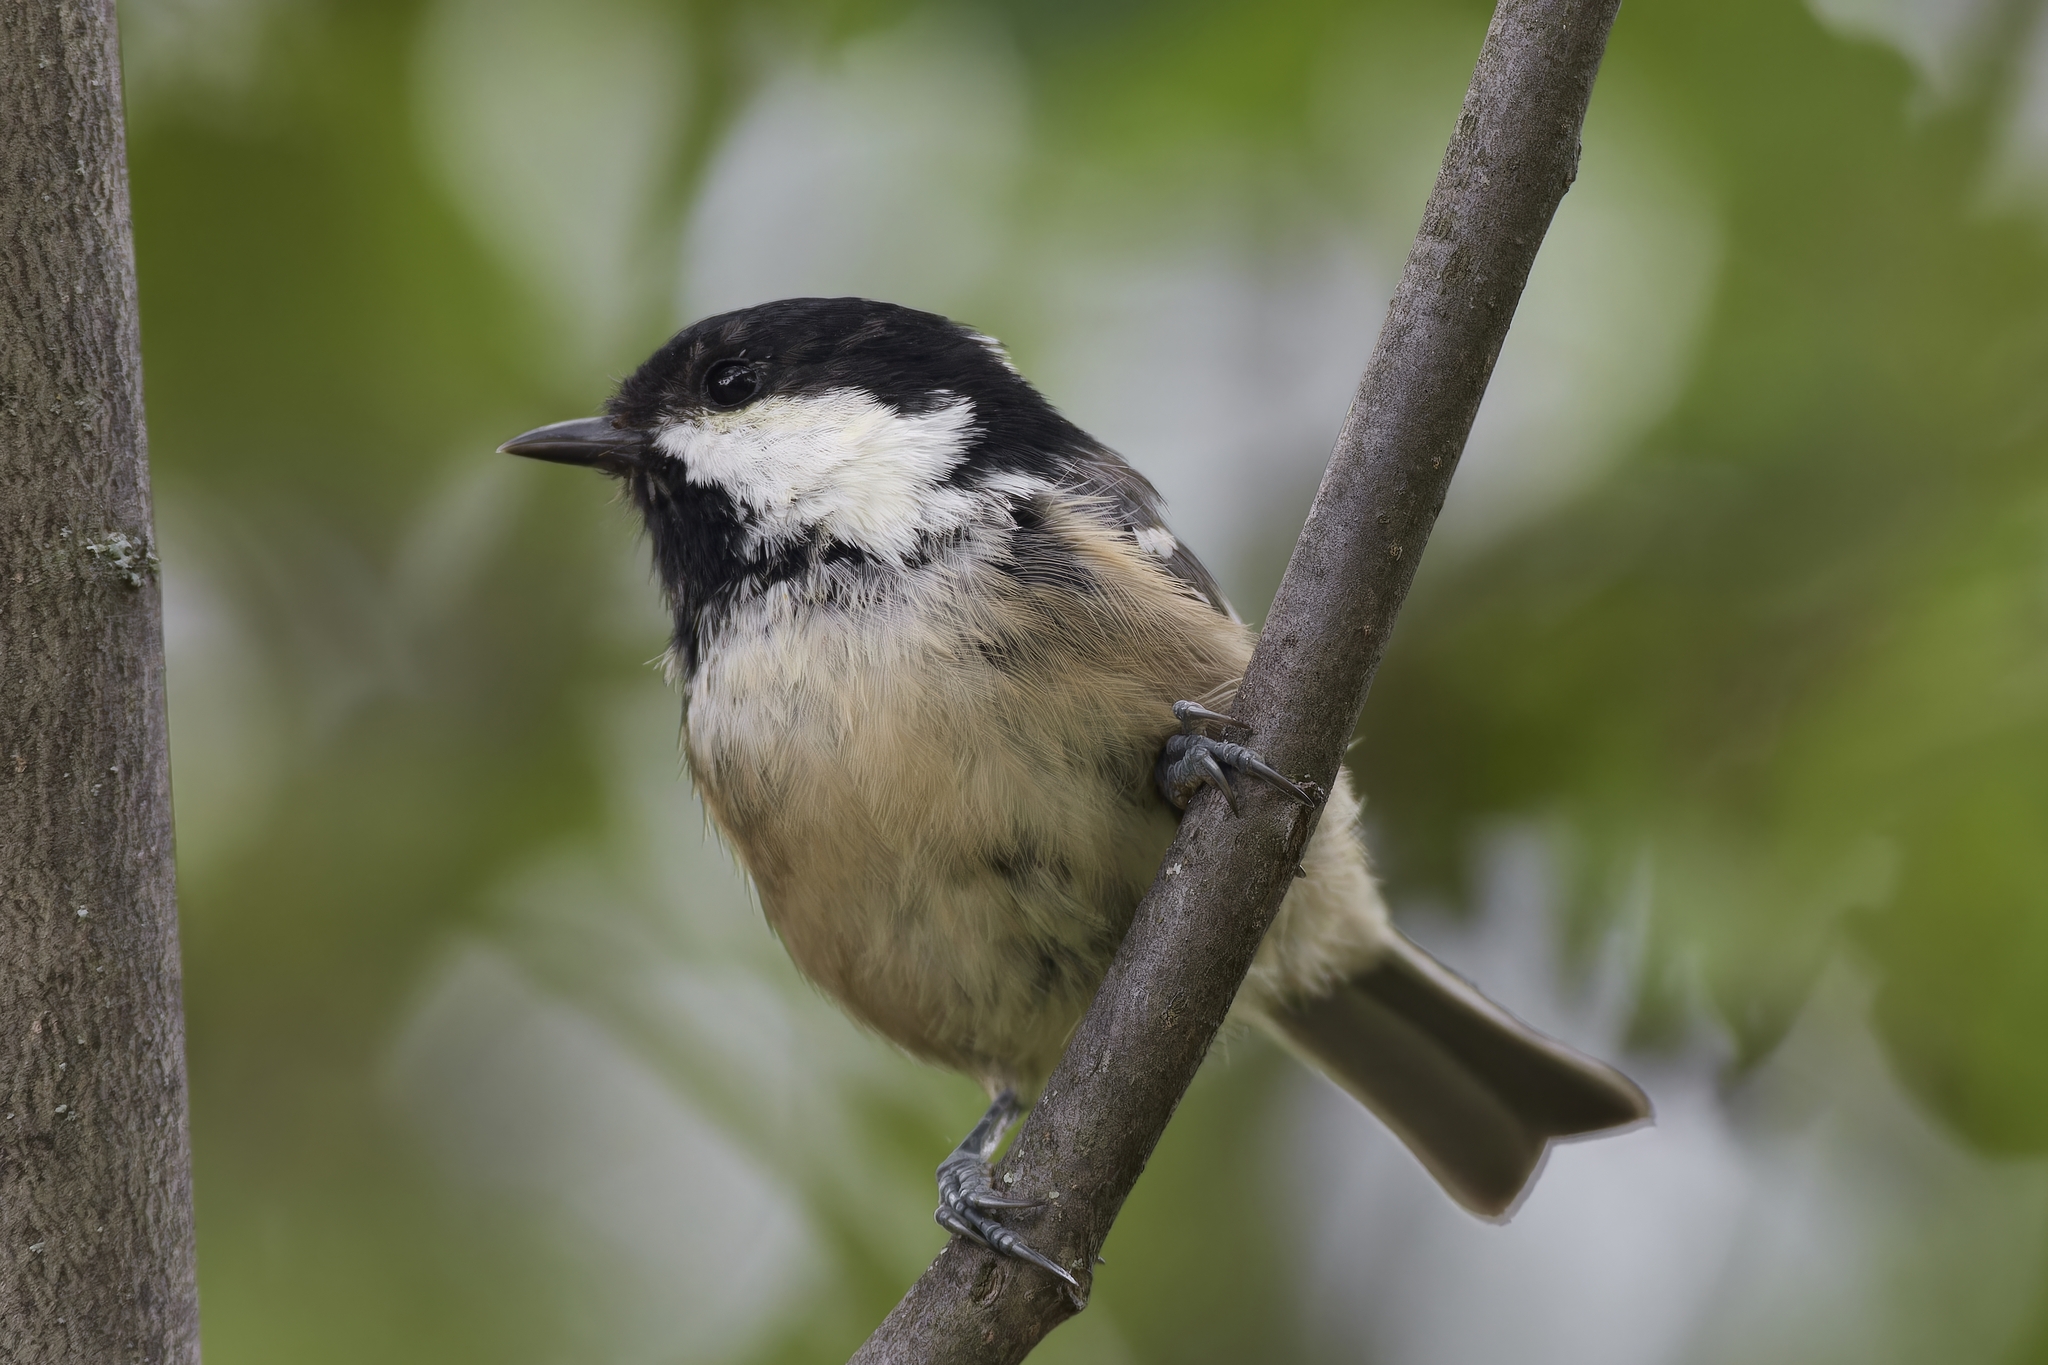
{"x": 1475, "y": 1093}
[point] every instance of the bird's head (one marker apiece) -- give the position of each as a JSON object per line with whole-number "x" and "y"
{"x": 839, "y": 426}
{"x": 817, "y": 441}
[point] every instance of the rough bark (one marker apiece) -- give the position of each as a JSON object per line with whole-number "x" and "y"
{"x": 1513, "y": 156}
{"x": 95, "y": 1186}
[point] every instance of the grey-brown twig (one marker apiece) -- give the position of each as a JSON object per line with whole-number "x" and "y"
{"x": 1513, "y": 156}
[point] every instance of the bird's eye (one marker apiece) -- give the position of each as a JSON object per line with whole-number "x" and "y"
{"x": 730, "y": 383}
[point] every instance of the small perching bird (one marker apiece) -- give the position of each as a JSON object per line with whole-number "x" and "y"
{"x": 948, "y": 682}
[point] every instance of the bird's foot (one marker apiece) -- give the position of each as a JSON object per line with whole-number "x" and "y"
{"x": 1192, "y": 760}
{"x": 968, "y": 1194}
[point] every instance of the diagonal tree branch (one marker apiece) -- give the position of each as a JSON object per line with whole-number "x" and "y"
{"x": 1514, "y": 154}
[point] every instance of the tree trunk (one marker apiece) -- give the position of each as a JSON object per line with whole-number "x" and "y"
{"x": 96, "y": 1259}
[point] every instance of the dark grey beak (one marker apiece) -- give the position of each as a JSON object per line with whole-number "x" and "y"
{"x": 592, "y": 441}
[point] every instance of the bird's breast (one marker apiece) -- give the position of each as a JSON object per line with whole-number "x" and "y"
{"x": 948, "y": 838}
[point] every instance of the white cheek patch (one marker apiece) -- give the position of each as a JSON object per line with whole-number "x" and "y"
{"x": 841, "y": 462}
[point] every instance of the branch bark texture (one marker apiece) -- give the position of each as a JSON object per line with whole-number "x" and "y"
{"x": 1510, "y": 162}
{"x": 96, "y": 1257}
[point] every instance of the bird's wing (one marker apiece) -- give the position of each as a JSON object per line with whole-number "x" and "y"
{"x": 1135, "y": 506}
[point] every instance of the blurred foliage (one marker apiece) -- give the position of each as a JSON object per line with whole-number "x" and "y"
{"x": 1776, "y": 670}
{"x": 1789, "y": 659}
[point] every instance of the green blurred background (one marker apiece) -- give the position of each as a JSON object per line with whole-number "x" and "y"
{"x": 1715, "y": 736}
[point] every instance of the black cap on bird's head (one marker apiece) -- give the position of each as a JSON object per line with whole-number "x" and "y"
{"x": 906, "y": 361}
{"x": 795, "y": 347}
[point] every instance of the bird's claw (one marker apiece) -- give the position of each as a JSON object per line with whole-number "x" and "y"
{"x": 1193, "y": 760}
{"x": 966, "y": 1182}
{"x": 967, "y": 1191}
{"x": 1189, "y": 714}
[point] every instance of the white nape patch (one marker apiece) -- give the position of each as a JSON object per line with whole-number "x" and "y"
{"x": 840, "y": 462}
{"x": 1156, "y": 541}
{"x": 998, "y": 350}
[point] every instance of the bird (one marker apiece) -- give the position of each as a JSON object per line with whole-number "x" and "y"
{"x": 948, "y": 683}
